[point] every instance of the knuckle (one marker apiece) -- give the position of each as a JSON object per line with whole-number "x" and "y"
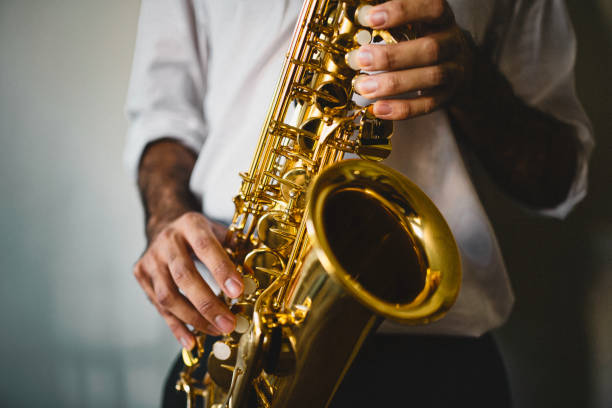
{"x": 436, "y": 76}
{"x": 431, "y": 49}
{"x": 400, "y": 8}
{"x": 174, "y": 326}
{"x": 137, "y": 271}
{"x": 179, "y": 271}
{"x": 150, "y": 299}
{"x": 436, "y": 8}
{"x": 164, "y": 296}
{"x": 429, "y": 105}
{"x": 220, "y": 270}
{"x": 172, "y": 256}
{"x": 386, "y": 57}
{"x": 203, "y": 243}
{"x": 404, "y": 110}
{"x": 206, "y": 306}
{"x": 191, "y": 217}
{"x": 391, "y": 83}
{"x": 167, "y": 234}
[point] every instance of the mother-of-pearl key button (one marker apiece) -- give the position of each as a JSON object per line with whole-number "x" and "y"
{"x": 242, "y": 324}
{"x": 250, "y": 286}
{"x": 363, "y": 37}
{"x": 222, "y": 351}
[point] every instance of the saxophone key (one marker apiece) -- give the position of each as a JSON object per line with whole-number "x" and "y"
{"x": 223, "y": 350}
{"x": 363, "y": 37}
{"x": 265, "y": 265}
{"x": 308, "y": 135}
{"x": 276, "y": 231}
{"x": 242, "y": 324}
{"x": 250, "y": 285}
{"x": 331, "y": 98}
{"x": 374, "y": 138}
{"x": 219, "y": 371}
{"x": 295, "y": 182}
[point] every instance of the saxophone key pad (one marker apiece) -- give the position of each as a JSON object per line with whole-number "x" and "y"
{"x": 275, "y": 231}
{"x": 250, "y": 285}
{"x": 363, "y": 37}
{"x": 222, "y": 350}
{"x": 297, "y": 177}
{"x": 242, "y": 324}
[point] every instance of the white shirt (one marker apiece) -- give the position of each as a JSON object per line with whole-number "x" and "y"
{"x": 204, "y": 73}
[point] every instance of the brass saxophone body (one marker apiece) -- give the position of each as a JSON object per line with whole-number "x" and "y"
{"x": 327, "y": 247}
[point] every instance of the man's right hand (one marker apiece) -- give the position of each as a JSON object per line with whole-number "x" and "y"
{"x": 172, "y": 283}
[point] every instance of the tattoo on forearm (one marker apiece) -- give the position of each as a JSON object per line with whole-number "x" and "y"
{"x": 530, "y": 154}
{"x": 163, "y": 181}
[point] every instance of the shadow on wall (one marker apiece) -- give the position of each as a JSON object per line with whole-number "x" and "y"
{"x": 558, "y": 341}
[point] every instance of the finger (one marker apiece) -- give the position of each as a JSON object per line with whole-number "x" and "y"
{"x": 164, "y": 294}
{"x": 177, "y": 327}
{"x": 157, "y": 282}
{"x": 219, "y": 230}
{"x": 179, "y": 330}
{"x": 398, "y": 12}
{"x": 398, "y": 82}
{"x": 432, "y": 49}
{"x": 173, "y": 253}
{"x": 208, "y": 249}
{"x": 143, "y": 278}
{"x": 186, "y": 277}
{"x": 167, "y": 295}
{"x": 398, "y": 109}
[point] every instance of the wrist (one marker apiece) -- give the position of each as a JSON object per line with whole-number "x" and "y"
{"x": 163, "y": 181}
{"x": 156, "y": 222}
{"x": 471, "y": 55}
{"x": 169, "y": 202}
{"x": 485, "y": 104}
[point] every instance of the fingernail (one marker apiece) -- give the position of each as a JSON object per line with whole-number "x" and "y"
{"x": 351, "y": 60}
{"x": 366, "y": 85}
{"x": 362, "y": 15}
{"x": 224, "y": 324}
{"x": 382, "y": 108}
{"x": 364, "y": 58}
{"x": 377, "y": 18}
{"x": 233, "y": 287}
{"x": 187, "y": 343}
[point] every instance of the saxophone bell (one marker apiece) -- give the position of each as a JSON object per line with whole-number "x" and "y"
{"x": 379, "y": 248}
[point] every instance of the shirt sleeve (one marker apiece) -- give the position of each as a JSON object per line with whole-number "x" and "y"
{"x": 537, "y": 56}
{"x": 167, "y": 86}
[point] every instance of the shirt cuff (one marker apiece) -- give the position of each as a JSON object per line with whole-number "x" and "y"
{"x": 578, "y": 189}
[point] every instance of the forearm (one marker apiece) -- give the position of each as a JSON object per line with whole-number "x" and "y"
{"x": 530, "y": 155}
{"x": 163, "y": 181}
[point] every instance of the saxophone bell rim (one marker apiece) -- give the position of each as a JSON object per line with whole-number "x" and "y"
{"x": 426, "y": 225}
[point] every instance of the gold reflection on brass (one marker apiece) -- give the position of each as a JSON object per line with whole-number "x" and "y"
{"x": 332, "y": 246}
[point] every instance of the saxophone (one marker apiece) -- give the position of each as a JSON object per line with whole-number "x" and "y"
{"x": 327, "y": 247}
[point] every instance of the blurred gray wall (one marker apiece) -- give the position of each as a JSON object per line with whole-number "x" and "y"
{"x": 75, "y": 330}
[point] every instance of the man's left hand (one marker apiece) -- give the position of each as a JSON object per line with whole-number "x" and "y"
{"x": 431, "y": 69}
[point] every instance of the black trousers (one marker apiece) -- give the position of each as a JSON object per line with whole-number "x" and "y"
{"x": 412, "y": 371}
